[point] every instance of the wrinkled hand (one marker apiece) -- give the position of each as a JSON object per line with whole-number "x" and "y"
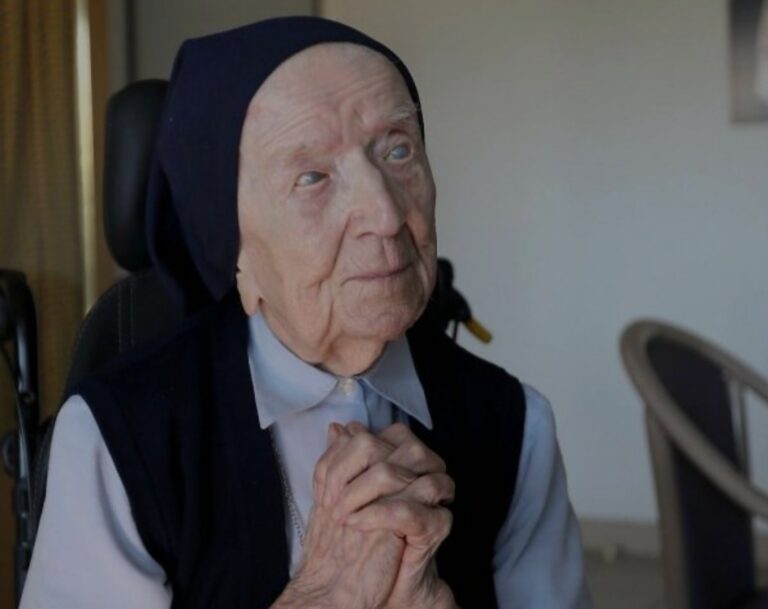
{"x": 341, "y": 566}
{"x": 392, "y": 482}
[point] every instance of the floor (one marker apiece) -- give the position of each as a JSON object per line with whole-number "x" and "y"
{"x": 624, "y": 582}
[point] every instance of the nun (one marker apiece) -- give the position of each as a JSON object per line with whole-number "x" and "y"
{"x": 306, "y": 439}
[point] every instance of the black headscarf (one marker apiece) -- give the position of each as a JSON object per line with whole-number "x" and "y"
{"x": 192, "y": 228}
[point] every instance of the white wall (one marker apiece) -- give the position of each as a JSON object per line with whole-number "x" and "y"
{"x": 162, "y": 25}
{"x": 588, "y": 174}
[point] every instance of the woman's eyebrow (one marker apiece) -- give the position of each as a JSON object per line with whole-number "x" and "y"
{"x": 290, "y": 154}
{"x": 404, "y": 113}
{"x": 295, "y": 152}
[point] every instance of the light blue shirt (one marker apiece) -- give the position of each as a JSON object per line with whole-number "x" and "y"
{"x": 88, "y": 553}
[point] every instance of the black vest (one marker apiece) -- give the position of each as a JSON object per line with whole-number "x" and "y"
{"x": 180, "y": 422}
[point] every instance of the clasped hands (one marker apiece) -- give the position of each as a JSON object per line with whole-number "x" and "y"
{"x": 377, "y": 521}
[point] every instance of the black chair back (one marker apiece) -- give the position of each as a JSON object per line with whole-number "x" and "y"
{"x": 135, "y": 309}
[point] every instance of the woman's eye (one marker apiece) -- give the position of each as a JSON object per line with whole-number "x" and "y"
{"x": 401, "y": 152}
{"x": 310, "y": 178}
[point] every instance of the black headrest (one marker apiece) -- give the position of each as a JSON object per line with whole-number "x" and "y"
{"x": 133, "y": 115}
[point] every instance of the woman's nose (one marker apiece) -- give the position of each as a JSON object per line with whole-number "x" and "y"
{"x": 375, "y": 203}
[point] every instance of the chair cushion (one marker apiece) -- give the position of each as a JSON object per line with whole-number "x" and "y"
{"x": 133, "y": 311}
{"x": 758, "y": 601}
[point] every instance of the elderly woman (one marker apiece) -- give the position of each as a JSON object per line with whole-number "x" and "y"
{"x": 304, "y": 439}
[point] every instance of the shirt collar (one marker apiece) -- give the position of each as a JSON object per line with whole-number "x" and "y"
{"x": 394, "y": 378}
{"x": 285, "y": 384}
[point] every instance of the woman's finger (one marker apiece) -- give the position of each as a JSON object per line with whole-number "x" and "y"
{"x": 361, "y": 452}
{"x": 338, "y": 437}
{"x": 380, "y": 480}
{"x": 420, "y": 525}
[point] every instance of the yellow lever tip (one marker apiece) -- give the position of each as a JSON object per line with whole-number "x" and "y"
{"x": 478, "y": 330}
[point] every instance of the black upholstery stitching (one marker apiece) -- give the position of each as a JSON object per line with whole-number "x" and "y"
{"x": 110, "y": 294}
{"x": 131, "y": 311}
{"x": 121, "y": 296}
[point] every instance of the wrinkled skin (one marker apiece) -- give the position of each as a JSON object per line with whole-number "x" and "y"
{"x": 336, "y": 207}
{"x": 376, "y": 524}
{"x": 338, "y": 253}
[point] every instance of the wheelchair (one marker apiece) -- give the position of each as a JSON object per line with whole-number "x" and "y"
{"x": 134, "y": 310}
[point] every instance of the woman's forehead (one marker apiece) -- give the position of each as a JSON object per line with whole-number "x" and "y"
{"x": 324, "y": 87}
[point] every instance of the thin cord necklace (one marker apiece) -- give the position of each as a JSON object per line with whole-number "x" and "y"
{"x": 290, "y": 501}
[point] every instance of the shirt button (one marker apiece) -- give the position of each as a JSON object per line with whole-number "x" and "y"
{"x": 347, "y": 385}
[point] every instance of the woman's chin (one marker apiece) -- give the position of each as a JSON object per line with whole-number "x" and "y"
{"x": 385, "y": 323}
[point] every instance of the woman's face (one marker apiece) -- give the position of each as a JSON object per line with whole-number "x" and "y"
{"x": 335, "y": 201}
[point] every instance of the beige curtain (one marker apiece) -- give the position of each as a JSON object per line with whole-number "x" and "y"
{"x": 39, "y": 209}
